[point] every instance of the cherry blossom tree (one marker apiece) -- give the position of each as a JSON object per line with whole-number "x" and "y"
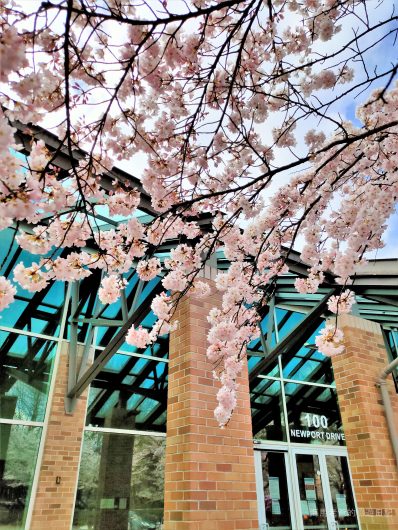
{"x": 236, "y": 108}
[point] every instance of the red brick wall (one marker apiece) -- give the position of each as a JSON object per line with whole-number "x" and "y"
{"x": 54, "y": 503}
{"x": 209, "y": 476}
{"x": 373, "y": 466}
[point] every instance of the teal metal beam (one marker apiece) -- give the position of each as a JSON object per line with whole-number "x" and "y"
{"x": 113, "y": 346}
{"x": 304, "y": 328}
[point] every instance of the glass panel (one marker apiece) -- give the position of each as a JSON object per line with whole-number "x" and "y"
{"x": 276, "y": 496}
{"x": 392, "y": 340}
{"x": 25, "y": 373}
{"x": 311, "y": 494}
{"x": 256, "y": 352}
{"x": 307, "y": 364}
{"x": 313, "y": 415}
{"x": 129, "y": 393}
{"x": 268, "y": 419}
{"x": 18, "y": 454}
{"x": 120, "y": 482}
{"x": 38, "y": 312}
{"x": 341, "y": 491}
{"x": 287, "y": 321}
{"x": 272, "y": 370}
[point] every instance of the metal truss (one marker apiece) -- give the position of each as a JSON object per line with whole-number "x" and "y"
{"x": 294, "y": 340}
{"x": 375, "y": 286}
{"x": 132, "y": 312}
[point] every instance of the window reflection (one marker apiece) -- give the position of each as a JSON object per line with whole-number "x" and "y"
{"x": 313, "y": 415}
{"x": 120, "y": 482}
{"x": 340, "y": 488}
{"x": 308, "y": 365}
{"x": 311, "y": 492}
{"x": 267, "y": 411}
{"x": 25, "y": 371}
{"x": 18, "y": 453}
{"x": 129, "y": 393}
{"x": 276, "y": 497}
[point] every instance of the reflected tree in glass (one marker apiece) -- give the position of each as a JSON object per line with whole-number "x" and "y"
{"x": 18, "y": 454}
{"x": 135, "y": 502}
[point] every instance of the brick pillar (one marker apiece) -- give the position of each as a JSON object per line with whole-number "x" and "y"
{"x": 373, "y": 466}
{"x": 54, "y": 502}
{"x": 209, "y": 475}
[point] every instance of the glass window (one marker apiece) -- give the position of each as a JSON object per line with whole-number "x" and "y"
{"x": 37, "y": 312}
{"x": 391, "y": 340}
{"x": 276, "y": 496}
{"x": 271, "y": 369}
{"x": 313, "y": 415}
{"x": 287, "y": 321}
{"x": 307, "y": 364}
{"x": 18, "y": 454}
{"x": 267, "y": 410}
{"x": 25, "y": 372}
{"x": 344, "y": 511}
{"x": 312, "y": 504}
{"x": 120, "y": 482}
{"x": 129, "y": 393}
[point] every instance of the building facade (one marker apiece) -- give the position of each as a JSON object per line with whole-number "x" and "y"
{"x": 97, "y": 435}
{"x": 307, "y": 447}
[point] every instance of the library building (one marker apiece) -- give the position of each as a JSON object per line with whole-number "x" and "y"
{"x": 99, "y": 435}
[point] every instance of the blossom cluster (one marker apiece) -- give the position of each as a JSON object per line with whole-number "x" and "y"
{"x": 343, "y": 303}
{"x": 192, "y": 93}
{"x": 110, "y": 289}
{"x": 330, "y": 341}
{"x": 7, "y": 292}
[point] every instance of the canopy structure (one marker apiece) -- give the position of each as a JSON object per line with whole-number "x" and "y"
{"x": 138, "y": 378}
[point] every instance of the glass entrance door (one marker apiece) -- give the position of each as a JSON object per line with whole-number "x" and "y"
{"x": 324, "y": 491}
{"x": 342, "y": 498}
{"x": 311, "y": 492}
{"x": 304, "y": 489}
{"x": 273, "y": 490}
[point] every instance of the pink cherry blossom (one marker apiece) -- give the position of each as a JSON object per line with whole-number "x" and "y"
{"x": 330, "y": 341}
{"x": 161, "y": 306}
{"x": 343, "y": 303}
{"x": 201, "y": 289}
{"x": 12, "y": 51}
{"x": 36, "y": 243}
{"x": 147, "y": 270}
{"x": 31, "y": 278}
{"x": 7, "y": 292}
{"x": 123, "y": 203}
{"x": 138, "y": 337}
{"x": 109, "y": 292}
{"x": 175, "y": 281}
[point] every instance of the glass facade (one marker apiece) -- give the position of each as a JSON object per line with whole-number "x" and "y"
{"x": 129, "y": 393}
{"x": 29, "y": 331}
{"x": 19, "y": 446}
{"x": 275, "y": 490}
{"x": 136, "y": 386}
{"x": 311, "y": 490}
{"x": 294, "y": 398}
{"x": 121, "y": 482}
{"x": 26, "y": 366}
{"x": 26, "y": 362}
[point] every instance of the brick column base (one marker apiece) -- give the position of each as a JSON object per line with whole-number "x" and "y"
{"x": 209, "y": 476}
{"x": 373, "y": 466}
{"x": 54, "y": 502}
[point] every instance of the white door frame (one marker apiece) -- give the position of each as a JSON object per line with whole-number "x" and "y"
{"x": 290, "y": 451}
{"x": 263, "y": 525}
